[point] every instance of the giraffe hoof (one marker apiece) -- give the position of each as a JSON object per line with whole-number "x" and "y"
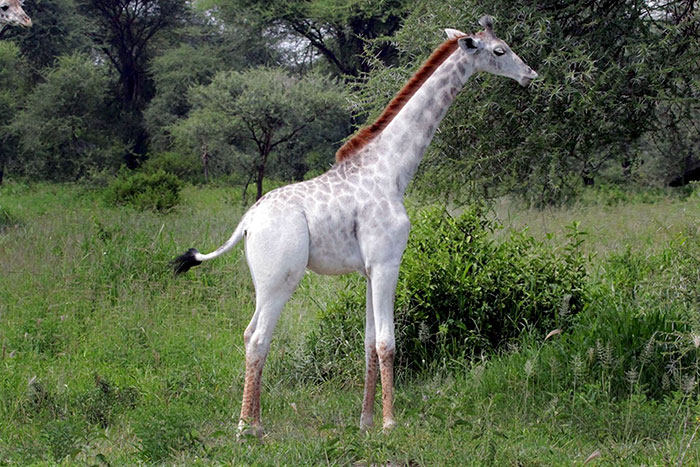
{"x": 366, "y": 421}
{"x": 366, "y": 424}
{"x": 389, "y": 425}
{"x": 246, "y": 431}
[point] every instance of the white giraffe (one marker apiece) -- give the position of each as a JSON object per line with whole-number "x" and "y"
{"x": 11, "y": 13}
{"x": 352, "y": 218}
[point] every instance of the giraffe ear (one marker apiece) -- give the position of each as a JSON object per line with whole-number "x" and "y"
{"x": 471, "y": 45}
{"x": 452, "y": 33}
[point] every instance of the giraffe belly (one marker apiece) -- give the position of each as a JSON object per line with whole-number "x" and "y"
{"x": 333, "y": 258}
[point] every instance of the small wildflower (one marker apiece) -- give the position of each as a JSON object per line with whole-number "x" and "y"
{"x": 529, "y": 368}
{"x": 648, "y": 351}
{"x": 688, "y": 384}
{"x": 696, "y": 340}
{"x": 577, "y": 366}
{"x": 423, "y": 332}
{"x": 564, "y": 308}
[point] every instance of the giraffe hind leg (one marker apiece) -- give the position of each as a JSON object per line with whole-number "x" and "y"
{"x": 277, "y": 256}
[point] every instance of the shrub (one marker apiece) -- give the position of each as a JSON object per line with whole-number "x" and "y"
{"x": 7, "y": 220}
{"x": 165, "y": 430}
{"x": 158, "y": 191}
{"x": 102, "y": 403}
{"x": 185, "y": 167}
{"x": 64, "y": 437}
{"x": 460, "y": 293}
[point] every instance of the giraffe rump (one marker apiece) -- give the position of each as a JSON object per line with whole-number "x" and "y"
{"x": 185, "y": 261}
{"x": 366, "y": 134}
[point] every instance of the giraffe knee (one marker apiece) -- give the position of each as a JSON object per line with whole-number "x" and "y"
{"x": 385, "y": 348}
{"x": 257, "y": 345}
{"x": 247, "y": 334}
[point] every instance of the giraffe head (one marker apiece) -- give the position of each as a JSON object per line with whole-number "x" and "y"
{"x": 11, "y": 12}
{"x": 491, "y": 54}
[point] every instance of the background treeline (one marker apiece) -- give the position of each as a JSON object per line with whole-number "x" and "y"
{"x": 241, "y": 90}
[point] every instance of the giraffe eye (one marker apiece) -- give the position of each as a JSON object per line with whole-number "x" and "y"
{"x": 4, "y": 7}
{"x": 498, "y": 51}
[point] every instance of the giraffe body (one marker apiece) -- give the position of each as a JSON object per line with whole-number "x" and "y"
{"x": 352, "y": 218}
{"x": 11, "y": 13}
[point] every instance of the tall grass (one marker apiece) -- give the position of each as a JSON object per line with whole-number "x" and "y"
{"x": 106, "y": 358}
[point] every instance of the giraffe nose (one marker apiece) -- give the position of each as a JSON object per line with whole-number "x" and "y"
{"x": 26, "y": 21}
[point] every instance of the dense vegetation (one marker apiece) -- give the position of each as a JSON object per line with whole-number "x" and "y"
{"x": 97, "y": 84}
{"x": 106, "y": 358}
{"x": 556, "y": 317}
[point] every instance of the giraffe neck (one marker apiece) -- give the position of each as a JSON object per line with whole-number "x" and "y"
{"x": 403, "y": 142}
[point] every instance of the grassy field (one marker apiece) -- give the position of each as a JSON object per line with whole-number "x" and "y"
{"x": 106, "y": 359}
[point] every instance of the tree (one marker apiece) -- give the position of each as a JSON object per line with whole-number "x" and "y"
{"x": 172, "y": 81}
{"x": 259, "y": 113}
{"x": 13, "y": 89}
{"x": 63, "y": 131}
{"x": 338, "y": 30}
{"x": 125, "y": 31}
{"x": 208, "y": 47}
{"x": 57, "y": 29}
{"x": 604, "y": 68}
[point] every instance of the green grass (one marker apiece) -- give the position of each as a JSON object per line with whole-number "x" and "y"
{"x": 106, "y": 358}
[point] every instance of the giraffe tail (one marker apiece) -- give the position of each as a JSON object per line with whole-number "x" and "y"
{"x": 193, "y": 257}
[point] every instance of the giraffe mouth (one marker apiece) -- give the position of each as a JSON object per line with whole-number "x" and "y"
{"x": 525, "y": 82}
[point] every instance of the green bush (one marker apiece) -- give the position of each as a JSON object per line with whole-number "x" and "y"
{"x": 7, "y": 220}
{"x": 164, "y": 430}
{"x": 185, "y": 167}
{"x": 64, "y": 437}
{"x": 460, "y": 293}
{"x": 158, "y": 191}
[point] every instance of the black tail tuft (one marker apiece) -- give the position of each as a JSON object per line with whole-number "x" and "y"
{"x": 184, "y": 262}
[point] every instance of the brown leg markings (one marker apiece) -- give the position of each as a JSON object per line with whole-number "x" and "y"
{"x": 249, "y": 391}
{"x": 386, "y": 366}
{"x": 370, "y": 389}
{"x": 257, "y": 422}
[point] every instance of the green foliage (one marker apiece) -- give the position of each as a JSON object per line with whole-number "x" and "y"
{"x": 247, "y": 118}
{"x": 184, "y": 166}
{"x": 12, "y": 85}
{"x": 338, "y": 30}
{"x": 158, "y": 191}
{"x": 599, "y": 90}
{"x": 7, "y": 220}
{"x": 62, "y": 129}
{"x": 101, "y": 404}
{"x": 163, "y": 432}
{"x": 57, "y": 29}
{"x": 461, "y": 293}
{"x": 172, "y": 82}
{"x": 13, "y": 89}
{"x": 170, "y": 360}
{"x": 64, "y": 437}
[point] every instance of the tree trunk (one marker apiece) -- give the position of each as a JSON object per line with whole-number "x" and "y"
{"x": 259, "y": 181}
{"x": 205, "y": 163}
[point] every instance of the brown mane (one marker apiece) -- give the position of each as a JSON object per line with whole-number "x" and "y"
{"x": 366, "y": 134}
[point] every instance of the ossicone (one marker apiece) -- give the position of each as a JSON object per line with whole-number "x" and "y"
{"x": 486, "y": 22}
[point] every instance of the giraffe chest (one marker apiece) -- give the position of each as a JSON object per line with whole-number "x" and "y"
{"x": 333, "y": 242}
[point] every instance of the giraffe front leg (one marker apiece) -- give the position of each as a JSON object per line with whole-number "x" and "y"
{"x": 371, "y": 366}
{"x": 384, "y": 281}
